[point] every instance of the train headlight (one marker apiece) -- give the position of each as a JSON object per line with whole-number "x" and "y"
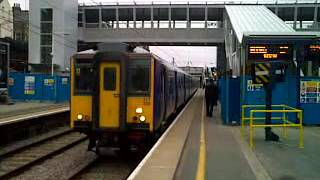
{"x": 139, "y": 110}
{"x": 79, "y": 116}
{"x": 142, "y": 118}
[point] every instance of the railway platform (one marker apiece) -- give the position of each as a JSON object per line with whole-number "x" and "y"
{"x": 199, "y": 147}
{"x": 21, "y": 111}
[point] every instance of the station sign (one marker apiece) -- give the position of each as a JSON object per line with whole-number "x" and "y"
{"x": 313, "y": 51}
{"x": 261, "y": 73}
{"x": 270, "y": 52}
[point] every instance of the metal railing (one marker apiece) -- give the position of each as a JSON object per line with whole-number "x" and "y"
{"x": 283, "y": 120}
{"x": 152, "y": 24}
{"x": 141, "y": 2}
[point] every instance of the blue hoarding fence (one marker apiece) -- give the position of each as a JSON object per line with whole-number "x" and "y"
{"x": 229, "y": 89}
{"x": 40, "y": 87}
{"x": 306, "y": 98}
{"x": 287, "y": 92}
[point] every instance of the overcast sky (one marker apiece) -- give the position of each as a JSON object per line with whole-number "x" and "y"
{"x": 198, "y": 56}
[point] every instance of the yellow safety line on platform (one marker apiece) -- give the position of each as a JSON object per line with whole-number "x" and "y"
{"x": 201, "y": 170}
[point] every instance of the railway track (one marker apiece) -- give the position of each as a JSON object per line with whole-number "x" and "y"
{"x": 111, "y": 165}
{"x": 15, "y": 162}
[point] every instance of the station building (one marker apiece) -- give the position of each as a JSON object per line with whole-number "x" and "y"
{"x": 6, "y": 23}
{"x": 52, "y": 32}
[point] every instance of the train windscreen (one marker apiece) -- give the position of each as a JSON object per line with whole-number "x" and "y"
{"x": 139, "y": 77}
{"x": 83, "y": 74}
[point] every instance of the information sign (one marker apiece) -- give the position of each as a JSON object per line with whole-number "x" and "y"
{"x": 310, "y": 91}
{"x": 281, "y": 52}
{"x": 313, "y": 52}
{"x": 29, "y": 85}
{"x": 254, "y": 87}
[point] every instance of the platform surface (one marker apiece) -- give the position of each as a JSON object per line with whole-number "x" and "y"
{"x": 20, "y": 109}
{"x": 228, "y": 156}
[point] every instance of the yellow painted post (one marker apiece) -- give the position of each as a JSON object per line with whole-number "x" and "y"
{"x": 251, "y": 129}
{"x": 284, "y": 121}
{"x": 242, "y": 121}
{"x": 301, "y": 144}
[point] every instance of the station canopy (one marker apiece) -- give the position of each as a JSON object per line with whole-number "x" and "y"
{"x": 255, "y": 19}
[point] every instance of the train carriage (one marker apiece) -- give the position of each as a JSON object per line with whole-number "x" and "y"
{"x": 124, "y": 96}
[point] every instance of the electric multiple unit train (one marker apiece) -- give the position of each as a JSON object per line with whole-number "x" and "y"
{"x": 119, "y": 97}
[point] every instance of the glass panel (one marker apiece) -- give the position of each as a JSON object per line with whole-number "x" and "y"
{"x": 108, "y": 15}
{"x": 46, "y": 27}
{"x": 83, "y": 79}
{"x": 80, "y": 17}
{"x": 139, "y": 77}
{"x": 46, "y": 39}
{"x": 92, "y": 15}
{"x": 46, "y": 14}
{"x": 46, "y": 54}
{"x": 109, "y": 79}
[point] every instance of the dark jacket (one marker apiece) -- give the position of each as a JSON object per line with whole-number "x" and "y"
{"x": 212, "y": 93}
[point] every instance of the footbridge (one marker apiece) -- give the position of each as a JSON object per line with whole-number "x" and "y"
{"x": 173, "y": 23}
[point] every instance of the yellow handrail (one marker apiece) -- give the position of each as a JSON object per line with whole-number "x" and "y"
{"x": 285, "y": 121}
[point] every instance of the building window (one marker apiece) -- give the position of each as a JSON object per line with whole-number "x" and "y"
{"x": 18, "y": 36}
{"x": 46, "y": 35}
{"x": 46, "y": 54}
{"x": 46, "y": 39}
{"x": 46, "y": 14}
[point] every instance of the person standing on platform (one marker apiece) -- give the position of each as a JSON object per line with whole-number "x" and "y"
{"x": 215, "y": 94}
{"x": 210, "y": 97}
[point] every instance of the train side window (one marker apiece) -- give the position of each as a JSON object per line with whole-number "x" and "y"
{"x": 83, "y": 79}
{"x": 109, "y": 82}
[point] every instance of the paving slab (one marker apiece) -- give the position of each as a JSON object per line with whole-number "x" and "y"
{"x": 284, "y": 159}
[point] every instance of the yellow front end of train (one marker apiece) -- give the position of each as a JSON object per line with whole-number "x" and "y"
{"x": 112, "y": 96}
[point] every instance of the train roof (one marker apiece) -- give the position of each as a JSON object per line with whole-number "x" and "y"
{"x": 166, "y": 63}
{"x": 91, "y": 53}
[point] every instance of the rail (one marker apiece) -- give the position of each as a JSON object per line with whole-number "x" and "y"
{"x": 281, "y": 109}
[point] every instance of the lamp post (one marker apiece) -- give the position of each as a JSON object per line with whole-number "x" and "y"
{"x": 52, "y": 61}
{"x": 52, "y": 52}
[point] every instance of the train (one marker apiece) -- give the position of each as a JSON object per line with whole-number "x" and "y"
{"x": 120, "y": 98}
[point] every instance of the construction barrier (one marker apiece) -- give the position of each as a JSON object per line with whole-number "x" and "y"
{"x": 39, "y": 87}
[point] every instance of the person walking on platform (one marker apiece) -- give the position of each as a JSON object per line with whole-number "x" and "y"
{"x": 211, "y": 95}
{"x": 215, "y": 94}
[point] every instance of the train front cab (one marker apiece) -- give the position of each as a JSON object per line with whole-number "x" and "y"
{"x": 81, "y": 92}
{"x": 112, "y": 95}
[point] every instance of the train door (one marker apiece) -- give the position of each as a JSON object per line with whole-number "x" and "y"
{"x": 109, "y": 95}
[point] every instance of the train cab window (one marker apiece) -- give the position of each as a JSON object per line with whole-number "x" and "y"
{"x": 109, "y": 83}
{"x": 139, "y": 77}
{"x": 83, "y": 79}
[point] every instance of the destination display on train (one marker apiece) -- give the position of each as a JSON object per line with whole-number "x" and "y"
{"x": 313, "y": 51}
{"x": 270, "y": 52}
